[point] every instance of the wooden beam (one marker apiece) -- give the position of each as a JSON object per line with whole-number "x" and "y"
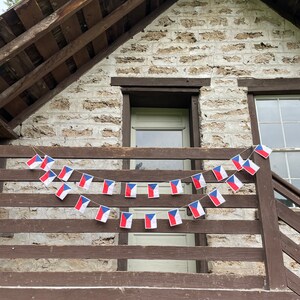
{"x": 159, "y": 82}
{"x": 27, "y": 175}
{"x": 6, "y": 131}
{"x": 293, "y": 282}
{"x": 40, "y": 29}
{"x": 275, "y": 274}
{"x": 124, "y": 152}
{"x": 117, "y": 200}
{"x": 133, "y": 293}
{"x": 120, "y": 279}
{"x": 103, "y": 54}
{"x": 88, "y": 226}
{"x": 269, "y": 86}
{"x": 66, "y": 52}
{"x": 288, "y": 216}
{"x": 132, "y": 252}
{"x": 290, "y": 248}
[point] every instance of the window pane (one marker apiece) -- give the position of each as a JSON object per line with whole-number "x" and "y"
{"x": 268, "y": 111}
{"x": 271, "y": 135}
{"x": 294, "y": 164}
{"x": 159, "y": 138}
{"x": 292, "y": 133}
{"x": 155, "y": 138}
{"x": 290, "y": 110}
{"x": 278, "y": 164}
{"x": 296, "y": 183}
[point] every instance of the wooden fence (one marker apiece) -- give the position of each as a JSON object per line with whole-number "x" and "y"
{"x": 277, "y": 283}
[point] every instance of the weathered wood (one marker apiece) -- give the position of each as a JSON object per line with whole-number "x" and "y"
{"x": 28, "y": 175}
{"x": 288, "y": 216}
{"x": 276, "y": 278}
{"x": 293, "y": 282}
{"x": 160, "y": 89}
{"x": 85, "y": 226}
{"x": 6, "y": 131}
{"x": 253, "y": 119}
{"x": 124, "y": 152}
{"x": 101, "y": 55}
{"x": 93, "y": 14}
{"x": 288, "y": 85}
{"x": 290, "y": 248}
{"x": 132, "y": 252}
{"x": 50, "y": 200}
{"x": 134, "y": 293}
{"x": 71, "y": 30}
{"x": 120, "y": 279}
{"x": 46, "y": 45}
{"x": 66, "y": 52}
{"x": 40, "y": 29}
{"x": 159, "y": 82}
{"x": 286, "y": 189}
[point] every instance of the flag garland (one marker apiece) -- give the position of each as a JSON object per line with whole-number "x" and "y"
{"x": 126, "y": 218}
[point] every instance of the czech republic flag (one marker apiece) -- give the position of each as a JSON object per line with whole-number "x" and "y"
{"x": 234, "y": 183}
{"x": 250, "y": 167}
{"x": 130, "y": 190}
{"x": 65, "y": 173}
{"x": 198, "y": 181}
{"x": 153, "y": 191}
{"x": 150, "y": 221}
{"x": 176, "y": 187}
{"x": 238, "y": 162}
{"x": 34, "y": 161}
{"x": 82, "y": 203}
{"x": 216, "y": 197}
{"x": 63, "y": 191}
{"x": 47, "y": 163}
{"x": 48, "y": 177}
{"x": 108, "y": 187}
{"x": 85, "y": 181}
{"x": 220, "y": 173}
{"x": 196, "y": 209}
{"x": 126, "y": 220}
{"x": 174, "y": 217}
{"x": 263, "y": 151}
{"x": 102, "y": 214}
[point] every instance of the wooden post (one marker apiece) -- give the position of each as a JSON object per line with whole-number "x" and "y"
{"x": 275, "y": 271}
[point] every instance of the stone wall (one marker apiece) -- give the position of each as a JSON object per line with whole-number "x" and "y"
{"x": 220, "y": 39}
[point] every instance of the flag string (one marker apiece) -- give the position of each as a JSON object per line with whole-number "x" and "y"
{"x": 36, "y": 150}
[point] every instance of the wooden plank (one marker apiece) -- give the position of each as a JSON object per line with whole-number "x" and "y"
{"x": 124, "y": 152}
{"x": 92, "y": 15}
{"x": 6, "y": 131}
{"x": 253, "y": 119}
{"x": 134, "y": 293}
{"x": 71, "y": 30}
{"x": 40, "y": 29}
{"x": 66, "y": 52}
{"x": 46, "y": 45}
{"x": 103, "y": 54}
{"x": 160, "y": 89}
{"x": 50, "y": 200}
{"x": 277, "y": 84}
{"x": 286, "y": 184}
{"x": 286, "y": 192}
{"x": 86, "y": 226}
{"x": 290, "y": 248}
{"x": 293, "y": 281}
{"x": 276, "y": 278}
{"x": 288, "y": 216}
{"x": 159, "y": 82}
{"x": 132, "y": 252}
{"x": 119, "y": 279}
{"x": 28, "y": 175}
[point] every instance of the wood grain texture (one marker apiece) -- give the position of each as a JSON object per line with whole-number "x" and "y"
{"x": 85, "y": 226}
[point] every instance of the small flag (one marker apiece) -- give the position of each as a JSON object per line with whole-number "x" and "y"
{"x": 196, "y": 209}
{"x": 220, "y": 173}
{"x": 263, "y": 151}
{"x": 216, "y": 197}
{"x": 130, "y": 190}
{"x": 250, "y": 167}
{"x": 199, "y": 181}
{"x": 238, "y": 162}
{"x": 63, "y": 191}
{"x": 108, "y": 187}
{"x": 102, "y": 214}
{"x": 126, "y": 220}
{"x": 176, "y": 187}
{"x": 47, "y": 163}
{"x": 34, "y": 161}
{"x": 174, "y": 217}
{"x": 48, "y": 177}
{"x": 234, "y": 183}
{"x": 82, "y": 203}
{"x": 65, "y": 173}
{"x": 153, "y": 191}
{"x": 85, "y": 181}
{"x": 150, "y": 221}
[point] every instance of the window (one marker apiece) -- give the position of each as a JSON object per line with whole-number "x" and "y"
{"x": 279, "y": 129}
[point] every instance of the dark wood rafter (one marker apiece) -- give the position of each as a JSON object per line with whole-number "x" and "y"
{"x": 66, "y": 52}
{"x": 101, "y": 55}
{"x": 46, "y": 45}
{"x": 40, "y": 29}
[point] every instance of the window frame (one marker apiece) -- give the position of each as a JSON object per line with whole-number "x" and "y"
{"x": 189, "y": 88}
